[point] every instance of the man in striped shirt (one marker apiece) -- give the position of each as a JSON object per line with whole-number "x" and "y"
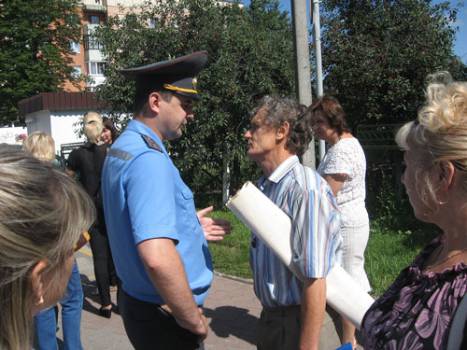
{"x": 293, "y": 311}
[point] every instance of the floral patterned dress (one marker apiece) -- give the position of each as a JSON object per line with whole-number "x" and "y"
{"x": 417, "y": 309}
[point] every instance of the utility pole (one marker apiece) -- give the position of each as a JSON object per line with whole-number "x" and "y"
{"x": 319, "y": 65}
{"x": 302, "y": 54}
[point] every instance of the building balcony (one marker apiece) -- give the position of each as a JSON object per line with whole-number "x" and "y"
{"x": 95, "y": 5}
{"x": 90, "y": 42}
{"x": 94, "y": 81}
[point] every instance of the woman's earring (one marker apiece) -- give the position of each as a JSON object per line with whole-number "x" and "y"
{"x": 40, "y": 301}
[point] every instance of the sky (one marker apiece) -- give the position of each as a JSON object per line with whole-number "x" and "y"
{"x": 460, "y": 46}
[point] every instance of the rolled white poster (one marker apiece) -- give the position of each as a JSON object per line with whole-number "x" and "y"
{"x": 273, "y": 227}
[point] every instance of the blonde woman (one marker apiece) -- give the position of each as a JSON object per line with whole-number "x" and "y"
{"x": 417, "y": 310}
{"x": 42, "y": 215}
{"x": 42, "y": 146}
{"x": 86, "y": 162}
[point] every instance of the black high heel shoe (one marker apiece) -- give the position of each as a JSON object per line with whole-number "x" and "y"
{"x": 104, "y": 312}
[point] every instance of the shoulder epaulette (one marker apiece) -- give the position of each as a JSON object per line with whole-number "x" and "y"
{"x": 151, "y": 143}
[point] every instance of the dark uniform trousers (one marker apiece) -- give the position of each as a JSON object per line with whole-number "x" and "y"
{"x": 149, "y": 327}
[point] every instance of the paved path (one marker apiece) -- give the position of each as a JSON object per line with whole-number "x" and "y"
{"x": 231, "y": 308}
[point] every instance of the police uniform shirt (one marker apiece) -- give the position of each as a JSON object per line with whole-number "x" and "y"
{"x": 145, "y": 198}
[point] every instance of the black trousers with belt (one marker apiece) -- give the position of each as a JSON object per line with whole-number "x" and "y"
{"x": 149, "y": 327}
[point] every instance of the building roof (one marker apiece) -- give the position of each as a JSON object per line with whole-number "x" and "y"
{"x": 60, "y": 101}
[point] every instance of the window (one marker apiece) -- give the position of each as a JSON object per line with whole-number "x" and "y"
{"x": 74, "y": 47}
{"x": 152, "y": 23}
{"x": 96, "y": 68}
{"x": 72, "y": 18}
{"x": 93, "y": 19}
{"x": 91, "y": 43}
{"x": 76, "y": 72}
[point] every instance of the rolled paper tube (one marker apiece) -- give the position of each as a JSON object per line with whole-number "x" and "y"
{"x": 267, "y": 221}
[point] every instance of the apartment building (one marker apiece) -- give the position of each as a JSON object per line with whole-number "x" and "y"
{"x": 88, "y": 59}
{"x": 59, "y": 114}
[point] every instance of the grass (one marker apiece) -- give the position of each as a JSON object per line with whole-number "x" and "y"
{"x": 231, "y": 256}
{"x": 388, "y": 251}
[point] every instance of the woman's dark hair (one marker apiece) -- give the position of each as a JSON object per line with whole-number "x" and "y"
{"x": 108, "y": 124}
{"x": 329, "y": 108}
{"x": 279, "y": 110}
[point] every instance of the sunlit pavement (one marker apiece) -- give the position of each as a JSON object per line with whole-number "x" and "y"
{"x": 231, "y": 308}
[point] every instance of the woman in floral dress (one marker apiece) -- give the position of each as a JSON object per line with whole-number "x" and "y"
{"x": 416, "y": 311}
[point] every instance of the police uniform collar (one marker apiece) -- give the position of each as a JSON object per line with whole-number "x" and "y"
{"x": 148, "y": 135}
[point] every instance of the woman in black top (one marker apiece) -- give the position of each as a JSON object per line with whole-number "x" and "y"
{"x": 86, "y": 162}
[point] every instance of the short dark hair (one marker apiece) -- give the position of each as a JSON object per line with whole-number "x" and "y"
{"x": 330, "y": 109}
{"x": 141, "y": 101}
{"x": 282, "y": 109}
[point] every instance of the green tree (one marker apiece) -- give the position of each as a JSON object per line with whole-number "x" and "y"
{"x": 377, "y": 55}
{"x": 250, "y": 54}
{"x": 35, "y": 51}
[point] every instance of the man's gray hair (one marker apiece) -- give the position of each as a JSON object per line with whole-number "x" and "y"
{"x": 279, "y": 110}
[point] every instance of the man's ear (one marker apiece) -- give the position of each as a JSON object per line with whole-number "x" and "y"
{"x": 37, "y": 281}
{"x": 282, "y": 131}
{"x": 154, "y": 100}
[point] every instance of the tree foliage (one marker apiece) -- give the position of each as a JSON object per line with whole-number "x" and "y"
{"x": 377, "y": 55}
{"x": 250, "y": 55}
{"x": 35, "y": 50}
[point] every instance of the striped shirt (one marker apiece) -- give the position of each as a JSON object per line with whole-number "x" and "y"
{"x": 307, "y": 199}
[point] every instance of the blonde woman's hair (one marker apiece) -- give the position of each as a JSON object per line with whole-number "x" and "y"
{"x": 439, "y": 134}
{"x": 40, "y": 145}
{"x": 43, "y": 212}
{"x": 93, "y": 126}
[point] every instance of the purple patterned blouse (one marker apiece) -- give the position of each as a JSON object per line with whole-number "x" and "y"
{"x": 417, "y": 309}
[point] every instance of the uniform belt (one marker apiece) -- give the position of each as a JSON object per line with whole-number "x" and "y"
{"x": 164, "y": 307}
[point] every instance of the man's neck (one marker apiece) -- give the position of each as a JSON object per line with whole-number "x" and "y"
{"x": 150, "y": 123}
{"x": 272, "y": 161}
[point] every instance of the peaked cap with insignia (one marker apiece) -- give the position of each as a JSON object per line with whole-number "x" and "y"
{"x": 176, "y": 75}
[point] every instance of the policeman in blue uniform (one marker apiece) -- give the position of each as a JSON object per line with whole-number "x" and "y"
{"x": 158, "y": 244}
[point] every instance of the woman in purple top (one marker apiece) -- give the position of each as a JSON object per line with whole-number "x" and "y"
{"x": 417, "y": 310}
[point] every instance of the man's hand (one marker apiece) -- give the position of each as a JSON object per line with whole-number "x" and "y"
{"x": 201, "y": 329}
{"x": 214, "y": 229}
{"x": 166, "y": 270}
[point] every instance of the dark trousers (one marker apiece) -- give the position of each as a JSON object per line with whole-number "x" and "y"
{"x": 104, "y": 268}
{"x": 149, "y": 327}
{"x": 279, "y": 328}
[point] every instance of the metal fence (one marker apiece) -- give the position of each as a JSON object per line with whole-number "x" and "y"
{"x": 66, "y": 148}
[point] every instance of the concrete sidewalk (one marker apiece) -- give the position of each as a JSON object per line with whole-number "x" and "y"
{"x": 231, "y": 309}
